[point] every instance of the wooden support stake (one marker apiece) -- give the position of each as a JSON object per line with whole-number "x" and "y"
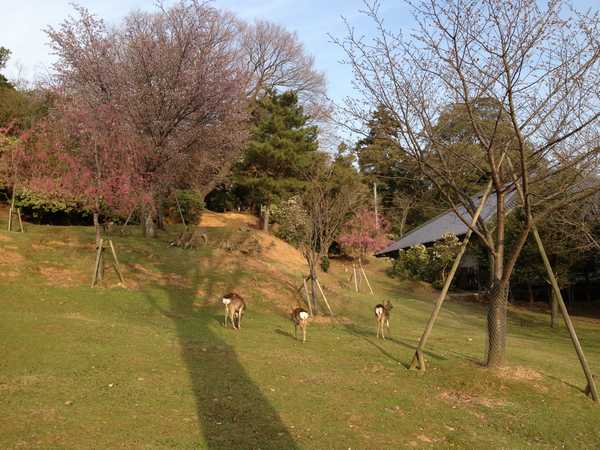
{"x": 117, "y": 267}
{"x": 307, "y": 296}
{"x": 20, "y": 221}
{"x": 366, "y": 279}
{"x": 591, "y": 387}
{"x": 563, "y": 309}
{"x": 324, "y": 298}
{"x": 180, "y": 212}
{"x": 355, "y": 280}
{"x": 10, "y": 211}
{"x": 98, "y": 259}
{"x": 124, "y": 227}
{"x": 418, "y": 356}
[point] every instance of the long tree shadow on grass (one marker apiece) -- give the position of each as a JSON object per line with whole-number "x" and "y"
{"x": 367, "y": 336}
{"x": 232, "y": 412}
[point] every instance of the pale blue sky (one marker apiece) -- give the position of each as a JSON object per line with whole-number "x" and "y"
{"x": 22, "y": 23}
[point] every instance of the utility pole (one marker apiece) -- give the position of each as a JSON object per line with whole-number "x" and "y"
{"x": 375, "y": 201}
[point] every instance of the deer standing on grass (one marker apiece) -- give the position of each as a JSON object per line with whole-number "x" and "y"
{"x": 234, "y": 308}
{"x": 300, "y": 318}
{"x": 382, "y": 314}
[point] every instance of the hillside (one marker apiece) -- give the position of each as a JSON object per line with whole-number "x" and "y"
{"x": 149, "y": 364}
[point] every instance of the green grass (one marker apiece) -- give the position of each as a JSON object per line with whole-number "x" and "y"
{"x": 152, "y": 367}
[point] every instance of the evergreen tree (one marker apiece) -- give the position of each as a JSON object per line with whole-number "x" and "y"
{"x": 400, "y": 188}
{"x": 281, "y": 150}
{"x": 4, "y": 55}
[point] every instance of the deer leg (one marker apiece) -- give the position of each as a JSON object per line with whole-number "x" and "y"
{"x": 226, "y": 316}
{"x": 383, "y": 330}
{"x": 304, "y": 334}
{"x": 295, "y": 330}
{"x": 239, "y": 319}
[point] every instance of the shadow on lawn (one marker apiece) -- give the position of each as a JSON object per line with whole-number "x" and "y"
{"x": 232, "y": 412}
{"x": 367, "y": 336}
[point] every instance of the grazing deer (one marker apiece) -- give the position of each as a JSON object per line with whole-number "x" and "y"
{"x": 382, "y": 314}
{"x": 300, "y": 318}
{"x": 234, "y": 308}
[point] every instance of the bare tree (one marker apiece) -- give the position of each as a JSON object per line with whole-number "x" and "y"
{"x": 527, "y": 76}
{"x": 277, "y": 60}
{"x": 328, "y": 202}
{"x": 174, "y": 76}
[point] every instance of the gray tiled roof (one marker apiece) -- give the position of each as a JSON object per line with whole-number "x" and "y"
{"x": 448, "y": 222}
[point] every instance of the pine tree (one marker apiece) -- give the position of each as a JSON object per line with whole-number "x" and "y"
{"x": 281, "y": 150}
{"x": 399, "y": 186}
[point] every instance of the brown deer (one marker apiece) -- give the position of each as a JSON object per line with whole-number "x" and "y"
{"x": 382, "y": 314}
{"x": 300, "y": 318}
{"x": 234, "y": 308}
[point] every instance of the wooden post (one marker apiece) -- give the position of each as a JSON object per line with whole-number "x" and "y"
{"x": 375, "y": 202}
{"x": 117, "y": 267}
{"x": 124, "y": 227}
{"x": 307, "y": 295}
{"x": 553, "y": 311}
{"x": 12, "y": 208}
{"x": 563, "y": 309}
{"x": 355, "y": 280}
{"x": 418, "y": 358}
{"x": 180, "y": 212}
{"x": 265, "y": 224}
{"x": 98, "y": 260}
{"x": 20, "y": 221}
{"x": 366, "y": 279}
{"x": 591, "y": 387}
{"x": 324, "y": 298}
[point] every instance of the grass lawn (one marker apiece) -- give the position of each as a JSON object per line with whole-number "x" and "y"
{"x": 150, "y": 366}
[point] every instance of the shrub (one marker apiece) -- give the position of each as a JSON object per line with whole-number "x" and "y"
{"x": 364, "y": 234}
{"x": 325, "y": 263}
{"x": 428, "y": 264}
{"x": 192, "y": 204}
{"x": 51, "y": 209}
{"x": 291, "y": 219}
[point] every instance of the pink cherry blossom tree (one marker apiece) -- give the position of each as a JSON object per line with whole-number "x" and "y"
{"x": 363, "y": 234}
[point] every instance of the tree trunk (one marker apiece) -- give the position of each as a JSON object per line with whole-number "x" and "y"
{"x": 266, "y": 212}
{"x": 313, "y": 285}
{"x": 12, "y": 207}
{"x": 531, "y": 296}
{"x": 148, "y": 225}
{"x": 497, "y": 324}
{"x": 553, "y": 311}
{"x": 96, "y": 217}
{"x": 160, "y": 213}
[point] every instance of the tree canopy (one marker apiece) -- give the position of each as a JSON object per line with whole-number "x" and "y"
{"x": 281, "y": 149}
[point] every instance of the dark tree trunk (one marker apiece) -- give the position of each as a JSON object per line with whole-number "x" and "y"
{"x": 266, "y": 213}
{"x": 588, "y": 290}
{"x": 148, "y": 224}
{"x": 160, "y": 213}
{"x": 313, "y": 285}
{"x": 100, "y": 274}
{"x": 497, "y": 324}
{"x": 553, "y": 311}
{"x": 531, "y": 296}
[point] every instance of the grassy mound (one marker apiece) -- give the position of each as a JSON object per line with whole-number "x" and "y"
{"x": 149, "y": 365}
